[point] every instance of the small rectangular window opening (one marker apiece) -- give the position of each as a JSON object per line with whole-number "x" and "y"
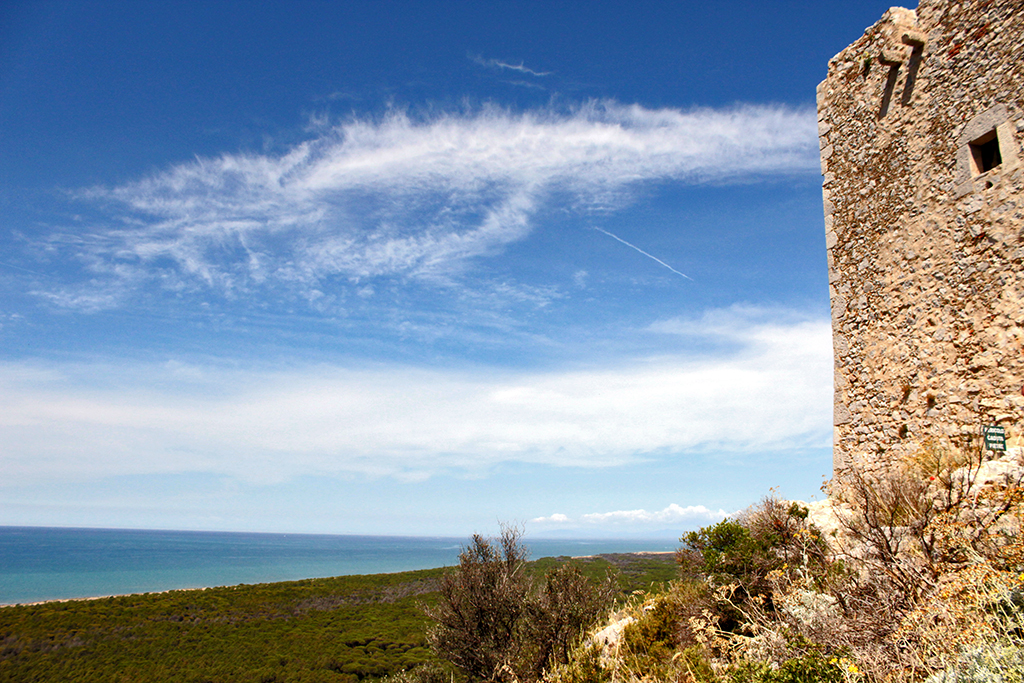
{"x": 985, "y": 153}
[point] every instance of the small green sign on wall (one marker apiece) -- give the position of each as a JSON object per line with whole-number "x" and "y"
{"x": 995, "y": 438}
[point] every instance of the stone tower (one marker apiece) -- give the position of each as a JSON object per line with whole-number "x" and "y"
{"x": 920, "y": 124}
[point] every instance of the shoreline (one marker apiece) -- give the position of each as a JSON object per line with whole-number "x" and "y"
{"x": 104, "y": 597}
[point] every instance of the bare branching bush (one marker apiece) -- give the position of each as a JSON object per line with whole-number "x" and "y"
{"x": 932, "y": 549}
{"x": 568, "y": 603}
{"x": 496, "y": 623}
{"x": 896, "y": 515}
{"x": 479, "y": 619}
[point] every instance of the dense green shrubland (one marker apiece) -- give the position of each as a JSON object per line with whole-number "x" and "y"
{"x": 343, "y": 629}
{"x": 346, "y": 629}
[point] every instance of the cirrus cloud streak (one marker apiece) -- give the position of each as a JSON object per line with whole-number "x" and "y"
{"x": 405, "y": 197}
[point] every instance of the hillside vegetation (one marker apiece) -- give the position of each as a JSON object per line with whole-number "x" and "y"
{"x": 916, "y": 576}
{"x": 341, "y": 630}
{"x": 911, "y": 576}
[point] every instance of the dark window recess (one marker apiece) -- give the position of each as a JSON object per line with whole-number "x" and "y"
{"x": 985, "y": 152}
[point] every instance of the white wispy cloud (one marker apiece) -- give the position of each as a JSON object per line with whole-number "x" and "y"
{"x": 399, "y": 197}
{"x": 672, "y": 514}
{"x": 557, "y": 518}
{"x": 771, "y": 391}
{"x": 84, "y": 301}
{"x": 499, "y": 64}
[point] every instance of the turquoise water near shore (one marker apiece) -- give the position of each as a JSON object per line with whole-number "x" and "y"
{"x": 46, "y": 563}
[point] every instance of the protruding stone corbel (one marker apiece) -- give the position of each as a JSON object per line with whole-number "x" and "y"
{"x": 910, "y": 40}
{"x": 913, "y": 38}
{"x": 894, "y": 55}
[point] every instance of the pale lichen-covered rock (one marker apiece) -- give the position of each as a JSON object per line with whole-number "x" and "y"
{"x": 609, "y": 637}
{"x": 809, "y": 608}
{"x": 824, "y": 515}
{"x": 1008, "y": 468}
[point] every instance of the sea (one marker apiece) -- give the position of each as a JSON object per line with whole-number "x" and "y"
{"x": 47, "y": 563}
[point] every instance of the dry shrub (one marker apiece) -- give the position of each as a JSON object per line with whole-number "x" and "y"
{"x": 765, "y": 573}
{"x": 933, "y": 553}
{"x": 584, "y": 665}
{"x": 493, "y": 621}
{"x": 925, "y": 578}
{"x": 650, "y": 650}
{"x": 479, "y": 619}
{"x": 902, "y": 519}
{"x": 568, "y": 603}
{"x": 656, "y": 641}
{"x": 746, "y": 551}
{"x": 915, "y": 579}
{"x": 976, "y": 600}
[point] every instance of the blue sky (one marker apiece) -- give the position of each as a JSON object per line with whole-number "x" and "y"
{"x": 412, "y": 267}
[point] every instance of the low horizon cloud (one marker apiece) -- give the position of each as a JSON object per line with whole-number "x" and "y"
{"x": 417, "y": 199}
{"x": 672, "y": 514}
{"x": 76, "y": 422}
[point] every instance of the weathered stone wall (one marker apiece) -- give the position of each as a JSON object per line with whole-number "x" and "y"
{"x": 925, "y": 247}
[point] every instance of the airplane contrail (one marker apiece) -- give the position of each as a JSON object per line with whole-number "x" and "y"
{"x": 633, "y": 246}
{"x": 11, "y": 265}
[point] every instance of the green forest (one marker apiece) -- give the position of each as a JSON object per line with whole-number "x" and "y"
{"x": 345, "y": 629}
